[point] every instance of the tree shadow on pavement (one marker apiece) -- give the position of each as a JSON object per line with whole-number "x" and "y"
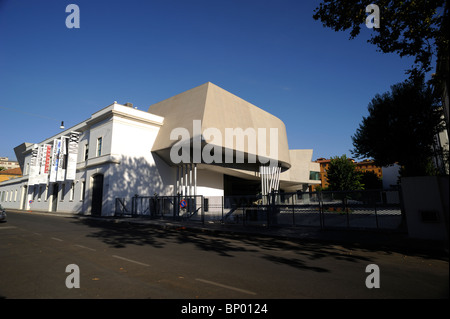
{"x": 121, "y": 235}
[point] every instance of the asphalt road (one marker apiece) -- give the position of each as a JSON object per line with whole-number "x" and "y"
{"x": 121, "y": 261}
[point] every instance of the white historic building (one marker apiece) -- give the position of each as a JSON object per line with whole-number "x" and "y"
{"x": 120, "y": 152}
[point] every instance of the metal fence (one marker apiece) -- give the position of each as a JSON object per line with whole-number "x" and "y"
{"x": 172, "y": 207}
{"x": 355, "y": 209}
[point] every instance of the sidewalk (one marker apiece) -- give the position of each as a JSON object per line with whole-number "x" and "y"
{"x": 363, "y": 238}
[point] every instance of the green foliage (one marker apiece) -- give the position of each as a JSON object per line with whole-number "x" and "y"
{"x": 417, "y": 28}
{"x": 370, "y": 180}
{"x": 342, "y": 175}
{"x": 400, "y": 128}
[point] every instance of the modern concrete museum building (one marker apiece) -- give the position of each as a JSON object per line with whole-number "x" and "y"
{"x": 181, "y": 145}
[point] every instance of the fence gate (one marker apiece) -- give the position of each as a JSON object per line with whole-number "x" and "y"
{"x": 170, "y": 207}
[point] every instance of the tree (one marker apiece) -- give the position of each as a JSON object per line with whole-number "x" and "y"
{"x": 342, "y": 175}
{"x": 400, "y": 128}
{"x": 370, "y": 180}
{"x": 417, "y": 28}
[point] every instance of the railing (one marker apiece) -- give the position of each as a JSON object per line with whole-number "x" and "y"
{"x": 353, "y": 209}
{"x": 177, "y": 207}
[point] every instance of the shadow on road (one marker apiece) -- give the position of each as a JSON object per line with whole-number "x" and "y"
{"x": 121, "y": 235}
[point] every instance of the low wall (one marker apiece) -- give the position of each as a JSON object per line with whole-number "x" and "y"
{"x": 426, "y": 204}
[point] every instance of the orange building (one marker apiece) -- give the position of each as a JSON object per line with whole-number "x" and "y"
{"x": 10, "y": 174}
{"x": 324, "y": 163}
{"x": 369, "y": 166}
{"x": 365, "y": 165}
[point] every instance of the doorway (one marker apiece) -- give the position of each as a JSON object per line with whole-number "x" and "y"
{"x": 97, "y": 194}
{"x": 235, "y": 186}
{"x": 55, "y": 197}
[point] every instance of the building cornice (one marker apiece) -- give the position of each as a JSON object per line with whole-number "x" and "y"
{"x": 96, "y": 161}
{"x": 110, "y": 111}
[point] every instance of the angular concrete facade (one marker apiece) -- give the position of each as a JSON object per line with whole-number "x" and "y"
{"x": 214, "y": 108}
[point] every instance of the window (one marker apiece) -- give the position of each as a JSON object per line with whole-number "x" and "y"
{"x": 83, "y": 187}
{"x": 72, "y": 191}
{"x": 99, "y": 146}
{"x": 40, "y": 193}
{"x": 86, "y": 151}
{"x": 63, "y": 190}
{"x": 314, "y": 176}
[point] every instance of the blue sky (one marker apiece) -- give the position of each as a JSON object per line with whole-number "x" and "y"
{"x": 272, "y": 54}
